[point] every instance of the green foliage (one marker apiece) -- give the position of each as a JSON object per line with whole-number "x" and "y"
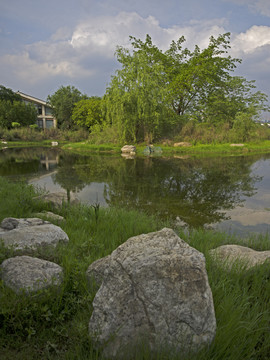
{"x": 16, "y": 112}
{"x": 155, "y": 92}
{"x": 8, "y": 95}
{"x": 54, "y": 324}
{"x": 63, "y": 102}
{"x": 87, "y": 112}
{"x": 135, "y": 99}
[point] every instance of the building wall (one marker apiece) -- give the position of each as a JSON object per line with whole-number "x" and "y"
{"x": 45, "y": 119}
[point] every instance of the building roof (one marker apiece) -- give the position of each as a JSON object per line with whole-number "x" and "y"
{"x": 32, "y": 98}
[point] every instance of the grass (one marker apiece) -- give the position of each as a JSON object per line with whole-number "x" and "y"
{"x": 54, "y": 324}
{"x": 193, "y": 150}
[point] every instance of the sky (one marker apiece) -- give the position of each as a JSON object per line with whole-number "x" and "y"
{"x": 46, "y": 44}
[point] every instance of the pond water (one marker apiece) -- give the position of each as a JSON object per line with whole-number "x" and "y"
{"x": 228, "y": 193}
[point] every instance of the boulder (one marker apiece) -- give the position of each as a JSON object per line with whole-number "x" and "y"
{"x": 58, "y": 198}
{"x": 30, "y": 234}
{"x": 29, "y": 274}
{"x": 131, "y": 149}
{"x": 182, "y": 144}
{"x": 97, "y": 270}
{"x": 229, "y": 254}
{"x": 155, "y": 293}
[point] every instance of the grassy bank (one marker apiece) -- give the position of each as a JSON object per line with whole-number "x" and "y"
{"x": 167, "y": 150}
{"x": 54, "y": 325}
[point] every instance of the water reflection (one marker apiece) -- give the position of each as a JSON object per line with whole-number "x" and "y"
{"x": 219, "y": 190}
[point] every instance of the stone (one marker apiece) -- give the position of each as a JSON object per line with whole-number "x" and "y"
{"x": 50, "y": 215}
{"x": 97, "y": 270}
{"x": 240, "y": 145}
{"x": 58, "y": 198}
{"x": 183, "y": 144}
{"x": 29, "y": 274}
{"x": 229, "y": 254}
{"x": 155, "y": 292}
{"x": 131, "y": 149}
{"x": 30, "y": 234}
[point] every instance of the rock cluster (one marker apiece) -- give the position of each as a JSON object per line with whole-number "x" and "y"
{"x": 26, "y": 273}
{"x": 154, "y": 292}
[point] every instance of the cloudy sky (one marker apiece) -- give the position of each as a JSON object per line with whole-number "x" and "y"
{"x": 48, "y": 43}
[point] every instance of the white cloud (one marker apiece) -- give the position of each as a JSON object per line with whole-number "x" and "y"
{"x": 102, "y": 35}
{"x": 254, "y": 38}
{"x": 85, "y": 54}
{"x": 32, "y": 71}
{"x": 77, "y": 53}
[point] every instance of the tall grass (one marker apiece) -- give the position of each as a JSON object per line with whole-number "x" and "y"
{"x": 26, "y": 134}
{"x": 54, "y": 324}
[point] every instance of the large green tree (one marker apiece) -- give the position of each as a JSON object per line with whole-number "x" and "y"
{"x": 88, "y": 112}
{"x": 135, "y": 98}
{"x": 63, "y": 102}
{"x": 155, "y": 91}
{"x": 14, "y": 110}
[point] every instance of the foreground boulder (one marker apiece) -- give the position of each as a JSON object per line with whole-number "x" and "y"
{"x": 25, "y": 273}
{"x": 31, "y": 234}
{"x": 154, "y": 292}
{"x": 229, "y": 254}
{"x": 96, "y": 271}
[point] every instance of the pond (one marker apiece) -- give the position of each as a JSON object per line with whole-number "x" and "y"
{"x": 231, "y": 194}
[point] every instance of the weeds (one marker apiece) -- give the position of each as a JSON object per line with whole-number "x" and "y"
{"x": 53, "y": 324}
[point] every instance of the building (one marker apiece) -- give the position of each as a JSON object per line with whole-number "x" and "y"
{"x": 45, "y": 118}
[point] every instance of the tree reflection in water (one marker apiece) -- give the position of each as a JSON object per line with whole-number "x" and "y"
{"x": 198, "y": 191}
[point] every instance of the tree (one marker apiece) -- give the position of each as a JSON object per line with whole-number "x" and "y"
{"x": 8, "y": 95}
{"x": 14, "y": 110}
{"x": 88, "y": 112}
{"x": 135, "y": 98}
{"x": 155, "y": 91}
{"x": 63, "y": 102}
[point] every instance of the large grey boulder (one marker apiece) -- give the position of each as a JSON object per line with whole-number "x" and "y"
{"x": 25, "y": 273}
{"x": 96, "y": 271}
{"x": 155, "y": 292}
{"x": 31, "y": 234}
{"x": 229, "y": 254}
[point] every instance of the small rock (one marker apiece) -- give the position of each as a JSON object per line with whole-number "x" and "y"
{"x": 228, "y": 254}
{"x": 129, "y": 149}
{"x": 183, "y": 144}
{"x": 31, "y": 234}
{"x": 25, "y": 273}
{"x": 50, "y": 215}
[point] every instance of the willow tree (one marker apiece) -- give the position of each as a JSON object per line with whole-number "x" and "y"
{"x": 135, "y": 98}
{"x": 155, "y": 90}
